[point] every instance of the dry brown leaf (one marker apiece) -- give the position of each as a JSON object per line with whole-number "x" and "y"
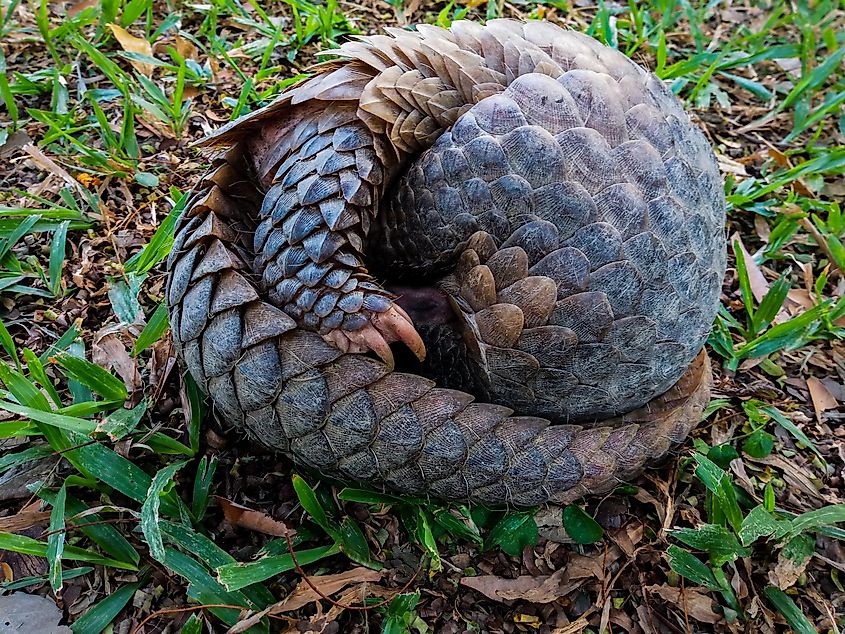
{"x": 836, "y": 389}
{"x": 250, "y": 519}
{"x": 108, "y": 351}
{"x": 132, "y": 44}
{"x": 14, "y": 142}
{"x": 789, "y": 64}
{"x": 543, "y": 589}
{"x": 699, "y": 606}
{"x": 353, "y": 596}
{"x": 780, "y": 159}
{"x": 786, "y": 572}
{"x": 303, "y": 594}
{"x": 799, "y": 300}
{"x": 605, "y": 614}
{"x": 78, "y": 7}
{"x": 627, "y": 537}
{"x": 729, "y": 166}
{"x": 186, "y": 48}
{"x": 762, "y": 228}
{"x": 46, "y": 163}
{"x": 618, "y": 617}
{"x": 573, "y": 628}
{"x": 584, "y": 567}
{"x": 793, "y": 475}
{"x": 822, "y": 399}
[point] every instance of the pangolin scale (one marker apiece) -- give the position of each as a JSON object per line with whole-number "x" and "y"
{"x": 544, "y": 202}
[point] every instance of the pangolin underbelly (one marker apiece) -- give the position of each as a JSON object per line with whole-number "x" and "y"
{"x": 546, "y": 216}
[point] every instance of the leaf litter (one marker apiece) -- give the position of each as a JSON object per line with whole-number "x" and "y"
{"x": 124, "y": 181}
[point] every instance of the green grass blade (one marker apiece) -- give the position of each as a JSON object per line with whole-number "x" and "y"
{"x": 57, "y": 257}
{"x": 790, "y": 611}
{"x": 69, "y": 423}
{"x": 237, "y": 576}
{"x": 56, "y": 539}
{"x": 150, "y": 509}
{"x": 92, "y": 376}
{"x": 29, "y": 546}
{"x": 153, "y": 331}
{"x": 37, "y": 372}
{"x": 106, "y": 536}
{"x": 98, "y": 617}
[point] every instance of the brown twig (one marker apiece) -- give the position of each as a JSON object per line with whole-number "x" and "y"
{"x": 191, "y": 608}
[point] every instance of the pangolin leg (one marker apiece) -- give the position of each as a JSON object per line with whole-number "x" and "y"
{"x": 324, "y": 181}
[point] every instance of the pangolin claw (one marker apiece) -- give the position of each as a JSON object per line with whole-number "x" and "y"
{"x": 392, "y": 325}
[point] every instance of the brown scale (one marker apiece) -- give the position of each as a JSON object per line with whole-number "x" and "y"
{"x": 542, "y": 211}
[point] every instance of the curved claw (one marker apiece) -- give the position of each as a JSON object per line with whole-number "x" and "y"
{"x": 394, "y": 324}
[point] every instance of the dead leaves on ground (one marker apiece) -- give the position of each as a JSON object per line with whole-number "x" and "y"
{"x": 326, "y": 585}
{"x": 132, "y": 44}
{"x": 693, "y": 602}
{"x": 592, "y": 574}
{"x": 250, "y": 519}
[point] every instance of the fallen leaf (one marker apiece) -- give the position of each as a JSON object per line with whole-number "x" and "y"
{"x": 780, "y": 159}
{"x": 699, "y": 606}
{"x": 794, "y": 476}
{"x": 627, "y": 537}
{"x": 303, "y": 594}
{"x": 108, "y": 351}
{"x": 787, "y": 572}
{"x": 353, "y": 595}
{"x": 46, "y": 163}
{"x": 789, "y": 64}
{"x": 542, "y": 589}
{"x": 15, "y": 142}
{"x": 800, "y": 299}
{"x": 186, "y": 48}
{"x": 251, "y": 519}
{"x": 132, "y": 44}
{"x": 78, "y": 7}
{"x": 837, "y": 390}
{"x": 822, "y": 399}
{"x": 729, "y": 166}
{"x": 576, "y": 627}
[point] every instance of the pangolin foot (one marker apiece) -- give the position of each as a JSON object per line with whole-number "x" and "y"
{"x": 383, "y": 328}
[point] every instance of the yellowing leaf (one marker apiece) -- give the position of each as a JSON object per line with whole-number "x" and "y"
{"x": 132, "y": 44}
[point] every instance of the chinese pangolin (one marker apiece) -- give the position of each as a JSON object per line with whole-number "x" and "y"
{"x": 530, "y": 208}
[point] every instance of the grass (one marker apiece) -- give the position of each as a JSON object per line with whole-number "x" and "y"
{"x": 100, "y": 104}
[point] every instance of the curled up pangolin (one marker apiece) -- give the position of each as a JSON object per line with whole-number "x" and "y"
{"x": 532, "y": 209}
